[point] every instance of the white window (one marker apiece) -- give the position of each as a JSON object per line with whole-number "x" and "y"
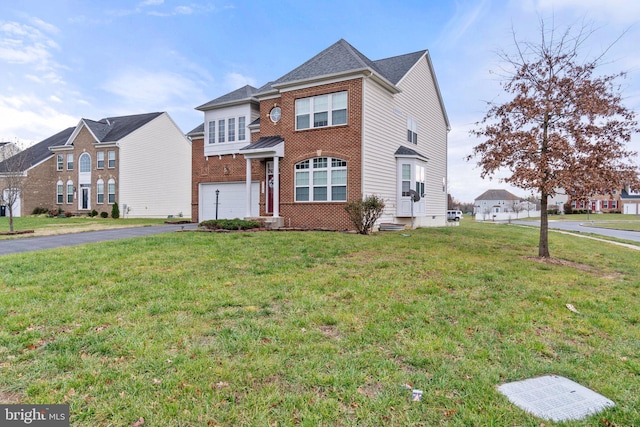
{"x": 60, "y": 162}
{"x": 419, "y": 180}
{"x": 100, "y": 191}
{"x": 406, "y": 179}
{"x": 59, "y": 192}
{"x": 100, "y": 159}
{"x": 321, "y": 179}
{"x": 69, "y": 192}
{"x": 85, "y": 162}
{"x": 111, "y": 188}
{"x": 321, "y": 111}
{"x": 69, "y": 162}
{"x": 221, "y": 131}
{"x": 242, "y": 132}
{"x": 605, "y": 204}
{"x": 614, "y": 204}
{"x": 212, "y": 132}
{"x": 232, "y": 130}
{"x": 111, "y": 158}
{"x": 412, "y": 130}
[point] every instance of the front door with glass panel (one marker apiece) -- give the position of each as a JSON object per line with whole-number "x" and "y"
{"x": 270, "y": 178}
{"x": 85, "y": 198}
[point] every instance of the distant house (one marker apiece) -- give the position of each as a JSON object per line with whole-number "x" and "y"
{"x": 337, "y": 128}
{"x": 630, "y": 201}
{"x": 142, "y": 162}
{"x": 496, "y": 201}
{"x": 7, "y": 149}
{"x": 598, "y": 203}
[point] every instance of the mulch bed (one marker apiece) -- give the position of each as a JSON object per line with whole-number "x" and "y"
{"x": 13, "y": 233}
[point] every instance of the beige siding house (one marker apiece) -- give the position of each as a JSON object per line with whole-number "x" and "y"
{"x": 141, "y": 162}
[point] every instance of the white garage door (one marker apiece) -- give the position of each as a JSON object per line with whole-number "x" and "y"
{"x": 231, "y": 200}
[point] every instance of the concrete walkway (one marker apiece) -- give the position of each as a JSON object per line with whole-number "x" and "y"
{"x": 30, "y": 244}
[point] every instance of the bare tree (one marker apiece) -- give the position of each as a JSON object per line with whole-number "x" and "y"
{"x": 13, "y": 177}
{"x": 517, "y": 207}
{"x": 565, "y": 127}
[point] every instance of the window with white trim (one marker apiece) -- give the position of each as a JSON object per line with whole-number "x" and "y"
{"x": 212, "y": 132}
{"x": 59, "y": 162}
{"x": 69, "y": 192}
{"x": 321, "y": 179}
{"x": 232, "y": 130}
{"x": 85, "y": 162}
{"x": 321, "y": 111}
{"x": 100, "y": 159}
{"x": 242, "y": 130}
{"x": 221, "y": 132}
{"x": 111, "y": 159}
{"x": 69, "y": 162}
{"x": 605, "y": 204}
{"x": 111, "y": 188}
{"x": 412, "y": 130}
{"x": 100, "y": 191}
{"x": 59, "y": 192}
{"x": 614, "y": 204}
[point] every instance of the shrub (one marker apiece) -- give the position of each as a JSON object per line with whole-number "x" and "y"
{"x": 364, "y": 213}
{"x": 104, "y": 215}
{"x": 115, "y": 211}
{"x": 230, "y": 224}
{"x": 68, "y": 214}
{"x": 40, "y": 211}
{"x": 93, "y": 213}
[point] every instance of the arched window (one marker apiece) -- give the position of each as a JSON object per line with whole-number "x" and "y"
{"x": 59, "y": 192}
{"x": 85, "y": 162}
{"x": 69, "y": 192}
{"x": 321, "y": 179}
{"x": 100, "y": 191}
{"x": 111, "y": 188}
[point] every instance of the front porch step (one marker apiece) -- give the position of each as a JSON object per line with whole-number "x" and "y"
{"x": 270, "y": 221}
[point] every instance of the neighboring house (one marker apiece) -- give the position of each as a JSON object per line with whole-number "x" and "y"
{"x": 337, "y": 128}
{"x": 599, "y": 203}
{"x": 7, "y": 149}
{"x": 558, "y": 201}
{"x": 496, "y": 201}
{"x": 142, "y": 162}
{"x": 630, "y": 201}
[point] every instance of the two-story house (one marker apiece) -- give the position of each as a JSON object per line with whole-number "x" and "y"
{"x": 337, "y": 128}
{"x": 142, "y": 162}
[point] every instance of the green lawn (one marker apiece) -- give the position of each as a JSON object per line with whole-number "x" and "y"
{"x": 318, "y": 329}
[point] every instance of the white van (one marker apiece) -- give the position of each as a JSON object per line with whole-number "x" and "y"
{"x": 454, "y": 215}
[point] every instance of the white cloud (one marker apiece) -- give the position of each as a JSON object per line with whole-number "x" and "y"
{"x": 26, "y": 45}
{"x": 45, "y": 26}
{"x": 466, "y": 15}
{"x": 30, "y": 119}
{"x": 151, "y": 90}
{"x": 235, "y": 81}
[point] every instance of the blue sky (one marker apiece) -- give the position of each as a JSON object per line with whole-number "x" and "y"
{"x": 65, "y": 60}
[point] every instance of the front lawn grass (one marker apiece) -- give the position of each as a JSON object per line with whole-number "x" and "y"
{"x": 317, "y": 328}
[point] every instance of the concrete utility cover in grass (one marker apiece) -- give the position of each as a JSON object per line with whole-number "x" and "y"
{"x": 555, "y": 398}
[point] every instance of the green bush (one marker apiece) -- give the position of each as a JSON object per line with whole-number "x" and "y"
{"x": 93, "y": 213}
{"x": 40, "y": 211}
{"x": 104, "y": 215}
{"x": 115, "y": 211}
{"x": 230, "y": 224}
{"x": 364, "y": 213}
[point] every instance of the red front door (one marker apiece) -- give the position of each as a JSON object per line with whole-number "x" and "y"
{"x": 269, "y": 208}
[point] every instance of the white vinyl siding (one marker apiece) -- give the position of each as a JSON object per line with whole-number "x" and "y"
{"x": 170, "y": 170}
{"x": 226, "y": 129}
{"x": 385, "y": 126}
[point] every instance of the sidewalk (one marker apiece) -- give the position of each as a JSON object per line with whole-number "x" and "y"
{"x": 31, "y": 244}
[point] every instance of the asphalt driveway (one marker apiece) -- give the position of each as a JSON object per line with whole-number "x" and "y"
{"x": 30, "y": 244}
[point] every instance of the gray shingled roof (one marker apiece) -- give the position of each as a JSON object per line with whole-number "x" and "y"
{"x": 497, "y": 195}
{"x": 624, "y": 194}
{"x": 340, "y": 57}
{"x": 119, "y": 127}
{"x": 395, "y": 68}
{"x": 197, "y": 130}
{"x": 264, "y": 142}
{"x": 40, "y": 151}
{"x": 405, "y": 151}
{"x": 244, "y": 93}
